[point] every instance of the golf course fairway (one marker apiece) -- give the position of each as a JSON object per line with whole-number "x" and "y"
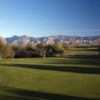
{"x": 52, "y": 79}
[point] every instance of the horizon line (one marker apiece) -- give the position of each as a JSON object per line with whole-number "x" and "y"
{"x": 50, "y": 36}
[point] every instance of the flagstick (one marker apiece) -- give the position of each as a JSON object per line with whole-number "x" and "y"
{"x": 44, "y": 58}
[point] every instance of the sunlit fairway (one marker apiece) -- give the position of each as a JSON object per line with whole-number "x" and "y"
{"x": 83, "y": 50}
{"x": 54, "y": 79}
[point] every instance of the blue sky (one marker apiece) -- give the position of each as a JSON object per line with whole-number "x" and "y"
{"x": 38, "y": 18}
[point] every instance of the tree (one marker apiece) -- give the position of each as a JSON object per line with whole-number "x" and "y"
{"x": 65, "y": 46}
{"x": 49, "y": 50}
{"x": 58, "y": 48}
{"x": 40, "y": 49}
{"x": 99, "y": 48}
{"x": 2, "y": 46}
{"x": 6, "y": 50}
{"x": 54, "y": 49}
{"x": 20, "y": 51}
{"x": 41, "y": 45}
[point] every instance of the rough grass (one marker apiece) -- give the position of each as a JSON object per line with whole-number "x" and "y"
{"x": 54, "y": 79}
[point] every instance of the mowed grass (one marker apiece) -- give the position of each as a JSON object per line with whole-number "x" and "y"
{"x": 52, "y": 79}
{"x": 83, "y": 50}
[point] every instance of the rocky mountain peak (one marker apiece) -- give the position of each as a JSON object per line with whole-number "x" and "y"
{"x": 72, "y": 40}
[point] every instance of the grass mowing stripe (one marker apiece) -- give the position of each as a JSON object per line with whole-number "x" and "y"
{"x": 57, "y": 77}
{"x": 4, "y": 79}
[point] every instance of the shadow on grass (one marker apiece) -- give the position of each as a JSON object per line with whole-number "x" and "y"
{"x": 85, "y": 46}
{"x": 74, "y": 61}
{"x": 90, "y": 57}
{"x": 21, "y": 94}
{"x": 94, "y": 50}
{"x": 74, "y": 69}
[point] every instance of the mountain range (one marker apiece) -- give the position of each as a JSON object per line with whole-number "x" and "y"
{"x": 71, "y": 40}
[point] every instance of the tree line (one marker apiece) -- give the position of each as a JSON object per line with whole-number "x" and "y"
{"x": 29, "y": 51}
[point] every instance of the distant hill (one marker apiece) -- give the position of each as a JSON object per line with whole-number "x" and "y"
{"x": 3, "y": 39}
{"x": 71, "y": 40}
